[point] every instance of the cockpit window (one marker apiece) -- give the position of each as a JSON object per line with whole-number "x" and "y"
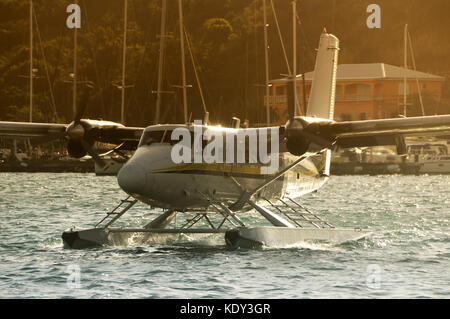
{"x": 151, "y": 137}
{"x": 168, "y": 138}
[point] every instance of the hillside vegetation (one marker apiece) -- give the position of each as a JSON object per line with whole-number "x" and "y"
{"x": 226, "y": 37}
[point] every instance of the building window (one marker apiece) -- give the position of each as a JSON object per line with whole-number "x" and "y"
{"x": 280, "y": 90}
{"x": 400, "y": 88}
{"x": 346, "y": 117}
{"x": 357, "y": 92}
{"x": 339, "y": 92}
{"x": 378, "y": 92}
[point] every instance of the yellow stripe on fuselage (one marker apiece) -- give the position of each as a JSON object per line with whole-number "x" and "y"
{"x": 243, "y": 168}
{"x": 228, "y": 168}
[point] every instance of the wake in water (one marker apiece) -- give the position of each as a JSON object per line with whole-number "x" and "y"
{"x": 201, "y": 240}
{"x": 319, "y": 246}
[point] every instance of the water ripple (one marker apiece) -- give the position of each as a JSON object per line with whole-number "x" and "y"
{"x": 407, "y": 257}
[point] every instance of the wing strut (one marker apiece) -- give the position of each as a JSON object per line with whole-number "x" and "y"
{"x": 246, "y": 195}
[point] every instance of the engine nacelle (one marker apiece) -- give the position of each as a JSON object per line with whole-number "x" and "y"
{"x": 296, "y": 143}
{"x": 85, "y": 131}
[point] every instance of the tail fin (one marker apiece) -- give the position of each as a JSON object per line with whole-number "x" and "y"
{"x": 321, "y": 100}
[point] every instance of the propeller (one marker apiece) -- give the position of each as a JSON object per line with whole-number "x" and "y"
{"x": 79, "y": 143}
{"x": 300, "y": 131}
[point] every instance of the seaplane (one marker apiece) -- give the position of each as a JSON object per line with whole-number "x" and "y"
{"x": 221, "y": 198}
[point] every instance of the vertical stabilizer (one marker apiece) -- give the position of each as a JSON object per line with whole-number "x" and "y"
{"x": 321, "y": 99}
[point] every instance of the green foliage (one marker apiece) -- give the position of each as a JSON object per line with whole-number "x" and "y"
{"x": 217, "y": 30}
{"x": 226, "y": 38}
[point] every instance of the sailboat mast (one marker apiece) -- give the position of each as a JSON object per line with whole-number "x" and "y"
{"x": 405, "y": 66}
{"x": 280, "y": 36}
{"x": 294, "y": 52}
{"x": 125, "y": 20}
{"x": 415, "y": 69}
{"x": 183, "y": 67}
{"x": 31, "y": 61}
{"x": 75, "y": 48}
{"x": 266, "y": 58}
{"x": 162, "y": 39}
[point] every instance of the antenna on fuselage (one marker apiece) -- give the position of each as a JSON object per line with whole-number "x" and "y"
{"x": 206, "y": 118}
{"x": 235, "y": 122}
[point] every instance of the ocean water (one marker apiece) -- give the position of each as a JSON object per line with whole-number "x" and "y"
{"x": 408, "y": 255}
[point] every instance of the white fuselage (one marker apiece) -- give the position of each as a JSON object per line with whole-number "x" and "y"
{"x": 153, "y": 177}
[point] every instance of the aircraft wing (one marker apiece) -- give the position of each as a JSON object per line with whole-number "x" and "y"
{"x": 31, "y": 130}
{"x": 327, "y": 133}
{"x": 80, "y": 135}
{"x": 101, "y": 131}
{"x": 387, "y": 131}
{"x": 116, "y": 135}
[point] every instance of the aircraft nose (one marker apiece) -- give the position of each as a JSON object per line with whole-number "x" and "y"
{"x": 132, "y": 178}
